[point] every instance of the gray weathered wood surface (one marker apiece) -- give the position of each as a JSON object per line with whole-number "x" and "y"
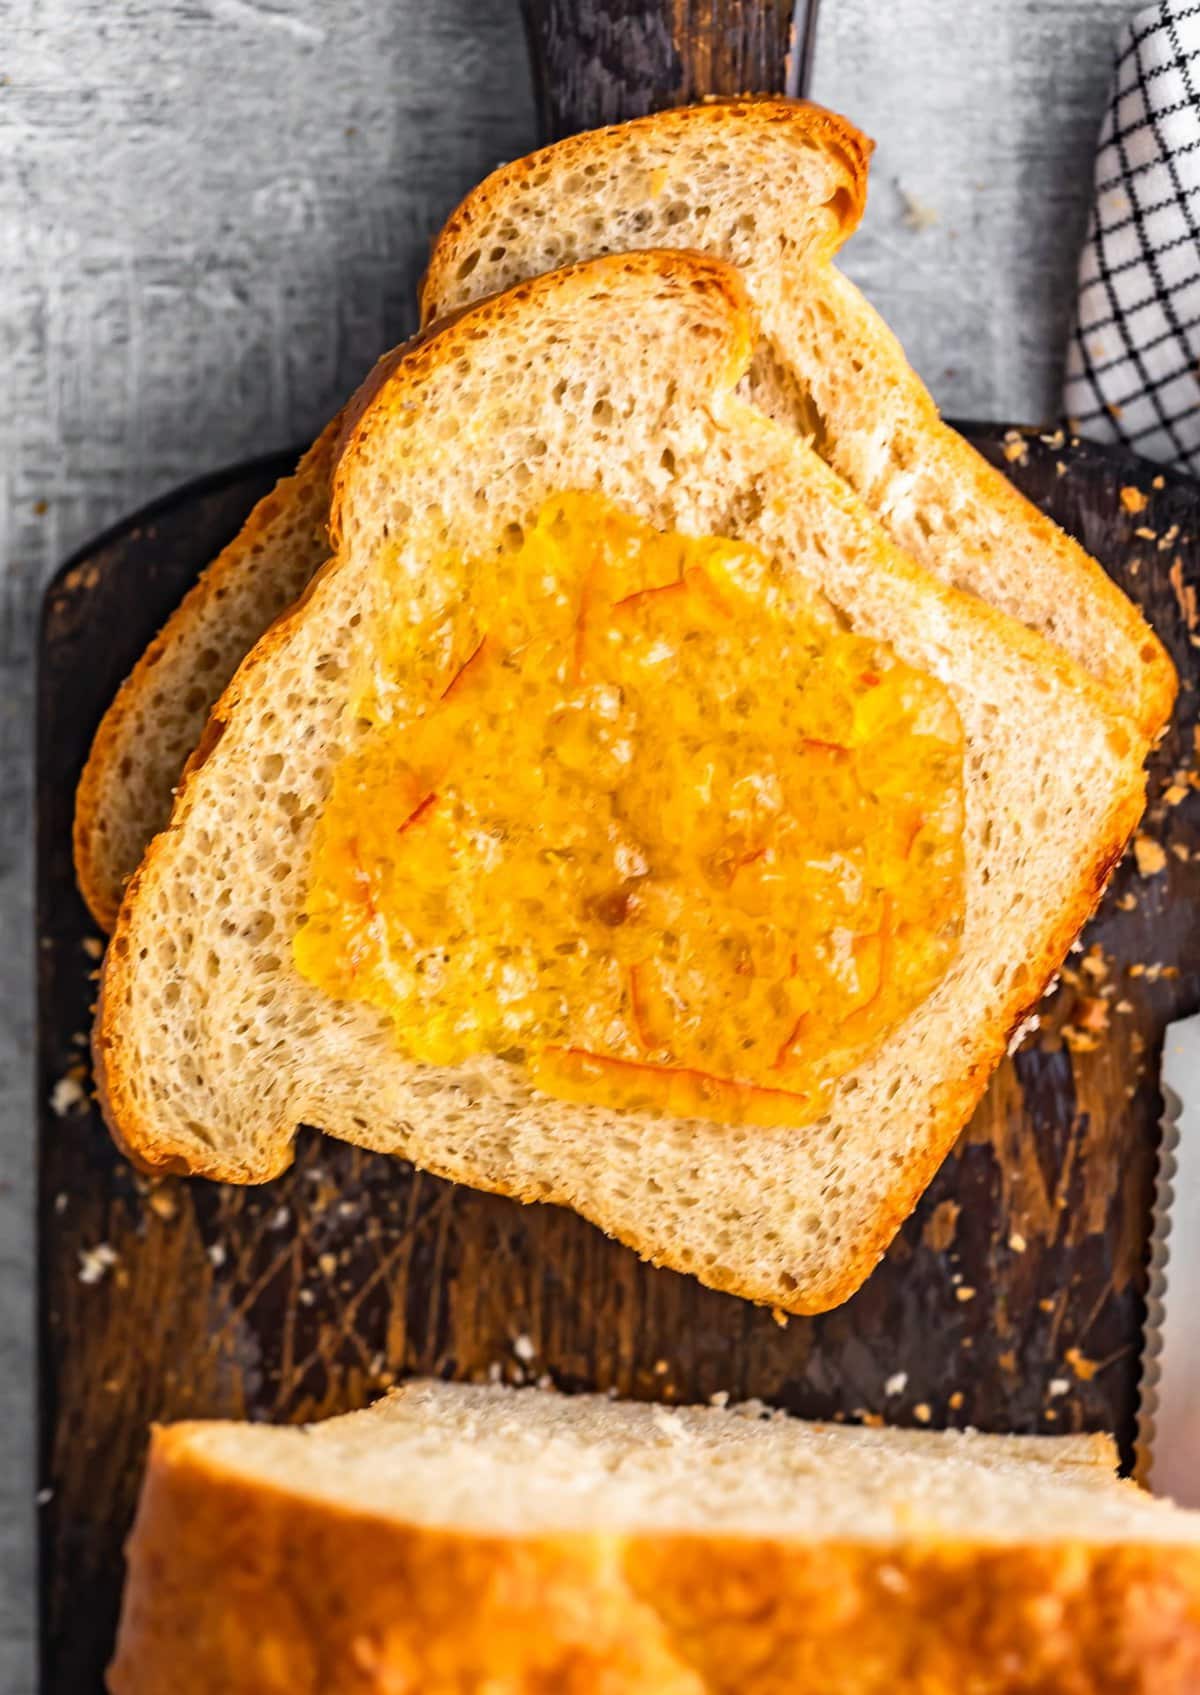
{"x": 212, "y": 214}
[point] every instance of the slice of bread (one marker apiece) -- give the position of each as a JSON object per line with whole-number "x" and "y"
{"x": 156, "y": 719}
{"x": 459, "y": 1539}
{"x": 772, "y": 185}
{"x": 619, "y": 376}
{"x": 777, "y": 187}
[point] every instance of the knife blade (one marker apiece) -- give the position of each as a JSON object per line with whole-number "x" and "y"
{"x": 1168, "y": 1428}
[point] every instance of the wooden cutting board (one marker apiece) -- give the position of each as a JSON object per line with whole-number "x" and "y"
{"x": 1012, "y": 1299}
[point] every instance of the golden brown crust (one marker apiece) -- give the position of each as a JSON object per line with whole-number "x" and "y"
{"x": 962, "y": 1094}
{"x": 395, "y": 383}
{"x": 811, "y": 125}
{"x": 239, "y": 1587}
{"x": 1157, "y": 682}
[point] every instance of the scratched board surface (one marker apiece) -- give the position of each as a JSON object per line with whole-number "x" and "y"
{"x": 1011, "y": 1300}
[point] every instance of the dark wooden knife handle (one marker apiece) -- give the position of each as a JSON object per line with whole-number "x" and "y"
{"x": 600, "y": 61}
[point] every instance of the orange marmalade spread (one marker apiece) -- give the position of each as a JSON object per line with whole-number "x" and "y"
{"x": 636, "y": 813}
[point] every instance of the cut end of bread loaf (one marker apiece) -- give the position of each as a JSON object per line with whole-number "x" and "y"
{"x": 452, "y": 1536}
{"x": 617, "y": 376}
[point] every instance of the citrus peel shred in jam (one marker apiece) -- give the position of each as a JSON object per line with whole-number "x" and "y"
{"x": 636, "y": 814}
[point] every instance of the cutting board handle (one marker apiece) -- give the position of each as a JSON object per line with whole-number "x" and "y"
{"x": 600, "y": 61}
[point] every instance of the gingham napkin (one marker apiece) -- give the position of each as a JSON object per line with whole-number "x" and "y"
{"x": 1133, "y": 364}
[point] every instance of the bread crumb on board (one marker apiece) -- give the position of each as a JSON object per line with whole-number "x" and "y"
{"x": 1150, "y": 855}
{"x": 95, "y": 1263}
{"x": 896, "y": 1383}
{"x": 1094, "y": 963}
{"x": 1016, "y": 448}
{"x": 1185, "y": 594}
{"x": 1133, "y": 500}
{"x": 162, "y": 1203}
{"x": 1092, "y": 1015}
{"x": 68, "y": 1095}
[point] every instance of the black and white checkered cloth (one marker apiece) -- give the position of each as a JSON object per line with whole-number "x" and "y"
{"x": 1133, "y": 364}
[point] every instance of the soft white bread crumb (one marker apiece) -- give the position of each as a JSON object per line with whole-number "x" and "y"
{"x": 527, "y": 1462}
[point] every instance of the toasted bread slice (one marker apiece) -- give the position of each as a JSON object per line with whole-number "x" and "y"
{"x": 741, "y": 180}
{"x": 779, "y": 187}
{"x": 125, "y": 793}
{"x": 618, "y": 376}
{"x": 459, "y": 1538}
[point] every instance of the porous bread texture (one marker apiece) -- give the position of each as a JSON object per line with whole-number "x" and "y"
{"x": 156, "y": 719}
{"x": 510, "y": 1462}
{"x": 619, "y": 376}
{"x": 452, "y": 1539}
{"x": 776, "y": 187}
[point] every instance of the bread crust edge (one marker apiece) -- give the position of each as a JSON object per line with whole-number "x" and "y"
{"x": 97, "y": 881}
{"x": 847, "y": 145}
{"x": 239, "y": 1584}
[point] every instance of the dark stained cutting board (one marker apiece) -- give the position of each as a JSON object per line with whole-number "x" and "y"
{"x": 1011, "y": 1300}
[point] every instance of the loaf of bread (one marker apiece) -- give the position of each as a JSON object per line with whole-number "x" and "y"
{"x": 774, "y": 186}
{"x": 452, "y": 1540}
{"x": 621, "y": 376}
